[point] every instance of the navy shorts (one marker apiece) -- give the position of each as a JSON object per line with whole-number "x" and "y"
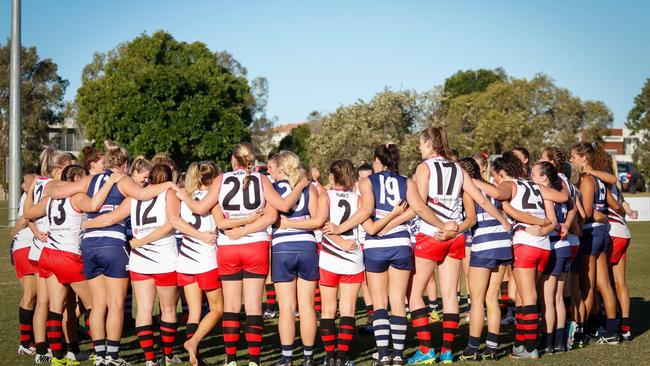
{"x": 110, "y": 261}
{"x": 377, "y": 265}
{"x": 594, "y": 241}
{"x": 285, "y": 266}
{"x": 480, "y": 262}
{"x": 557, "y": 265}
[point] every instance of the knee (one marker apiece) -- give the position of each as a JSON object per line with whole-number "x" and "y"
{"x": 115, "y": 303}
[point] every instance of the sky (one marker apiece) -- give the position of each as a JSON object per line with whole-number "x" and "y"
{"x": 321, "y": 55}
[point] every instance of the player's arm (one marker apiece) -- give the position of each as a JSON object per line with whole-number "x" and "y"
{"x": 481, "y": 200}
{"x": 363, "y": 212}
{"x": 587, "y": 188}
{"x": 119, "y": 214}
{"x": 282, "y": 204}
{"x": 36, "y": 211}
{"x": 58, "y": 189}
{"x": 604, "y": 176}
{"x": 132, "y": 189}
{"x": 224, "y": 223}
{"x": 157, "y": 234}
{"x": 417, "y": 194}
{"x": 404, "y": 217}
{"x": 270, "y": 216}
{"x": 523, "y": 217}
{"x": 554, "y": 195}
{"x": 206, "y": 204}
{"x": 173, "y": 209}
{"x": 20, "y": 224}
{"x": 502, "y": 192}
{"x": 374, "y": 227}
{"x": 83, "y": 202}
{"x": 318, "y": 211}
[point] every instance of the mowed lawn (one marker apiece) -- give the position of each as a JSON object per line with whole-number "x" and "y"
{"x": 635, "y": 352}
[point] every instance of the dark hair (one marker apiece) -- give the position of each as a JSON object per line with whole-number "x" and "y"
{"x": 364, "y": 166}
{"x": 91, "y": 155}
{"x": 437, "y": 137}
{"x": 160, "y": 173}
{"x": 602, "y": 160}
{"x": 523, "y": 152}
{"x": 584, "y": 149}
{"x": 343, "y": 173}
{"x": 471, "y": 167}
{"x": 549, "y": 171}
{"x": 71, "y": 171}
{"x": 511, "y": 164}
{"x": 28, "y": 171}
{"x": 453, "y": 154}
{"x": 555, "y": 155}
{"x": 388, "y": 155}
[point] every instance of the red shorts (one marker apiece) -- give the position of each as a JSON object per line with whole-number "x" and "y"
{"x": 332, "y": 279}
{"x": 207, "y": 281}
{"x": 67, "y": 267}
{"x": 527, "y": 256}
{"x": 24, "y": 267}
{"x": 428, "y": 247}
{"x": 618, "y": 249}
{"x": 160, "y": 279}
{"x": 240, "y": 261}
{"x": 574, "y": 251}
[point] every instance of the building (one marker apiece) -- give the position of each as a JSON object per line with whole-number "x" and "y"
{"x": 66, "y": 137}
{"x": 622, "y": 143}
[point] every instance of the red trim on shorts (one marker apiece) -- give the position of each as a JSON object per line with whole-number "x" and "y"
{"x": 22, "y": 265}
{"x": 527, "y": 256}
{"x": 428, "y": 247}
{"x": 160, "y": 279}
{"x": 618, "y": 249}
{"x": 66, "y": 266}
{"x": 207, "y": 281}
{"x": 332, "y": 279}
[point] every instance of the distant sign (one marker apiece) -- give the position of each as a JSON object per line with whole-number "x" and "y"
{"x": 641, "y": 204}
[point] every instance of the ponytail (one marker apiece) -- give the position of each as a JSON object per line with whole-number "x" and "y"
{"x": 243, "y": 153}
{"x": 549, "y": 170}
{"x": 289, "y": 164}
{"x": 343, "y": 173}
{"x": 437, "y": 137}
{"x": 116, "y": 156}
{"x": 388, "y": 155}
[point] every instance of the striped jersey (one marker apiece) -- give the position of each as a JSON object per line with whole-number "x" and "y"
{"x": 617, "y": 225}
{"x": 528, "y": 199}
{"x": 489, "y": 238}
{"x": 41, "y": 223}
{"x": 342, "y": 205}
{"x": 194, "y": 255}
{"x": 159, "y": 256}
{"x": 599, "y": 204}
{"x": 65, "y": 225}
{"x": 389, "y": 190}
{"x": 293, "y": 240}
{"x": 237, "y": 202}
{"x": 113, "y": 235}
{"x": 445, "y": 195}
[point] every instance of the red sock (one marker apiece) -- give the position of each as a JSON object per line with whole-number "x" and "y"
{"x": 529, "y": 325}
{"x": 54, "y": 328}
{"x": 317, "y": 300}
{"x": 328, "y": 335}
{"x": 270, "y": 296}
{"x": 230, "y": 323}
{"x": 449, "y": 330}
{"x": 420, "y": 320}
{"x": 168, "y": 335}
{"x": 145, "y": 337}
{"x": 26, "y": 318}
{"x": 345, "y": 336}
{"x": 254, "y": 333}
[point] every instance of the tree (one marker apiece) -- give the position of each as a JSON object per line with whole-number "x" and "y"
{"x": 638, "y": 120}
{"x": 262, "y": 126}
{"x": 352, "y": 132}
{"x": 472, "y": 81}
{"x": 297, "y": 141}
{"x": 42, "y": 91}
{"x": 157, "y": 94}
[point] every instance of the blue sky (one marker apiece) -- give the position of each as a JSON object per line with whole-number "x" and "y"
{"x": 320, "y": 55}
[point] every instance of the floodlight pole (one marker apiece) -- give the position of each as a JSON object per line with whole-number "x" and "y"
{"x": 15, "y": 156}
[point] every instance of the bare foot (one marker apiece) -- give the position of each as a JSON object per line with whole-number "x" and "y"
{"x": 190, "y": 347}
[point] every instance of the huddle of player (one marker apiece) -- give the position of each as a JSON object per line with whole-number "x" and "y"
{"x": 554, "y": 232}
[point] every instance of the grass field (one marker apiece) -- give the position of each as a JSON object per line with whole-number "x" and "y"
{"x": 636, "y": 352}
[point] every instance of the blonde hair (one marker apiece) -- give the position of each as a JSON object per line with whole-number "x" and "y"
{"x": 116, "y": 156}
{"x": 289, "y": 164}
{"x": 51, "y": 159}
{"x": 139, "y": 165}
{"x": 200, "y": 174}
{"x": 484, "y": 162}
{"x": 243, "y": 153}
{"x": 163, "y": 158}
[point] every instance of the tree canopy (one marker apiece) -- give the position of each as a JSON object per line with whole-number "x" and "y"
{"x": 156, "y": 94}
{"x": 638, "y": 119}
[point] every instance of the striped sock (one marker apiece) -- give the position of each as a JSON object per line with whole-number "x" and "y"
{"x": 529, "y": 325}
{"x": 231, "y": 324}
{"x": 26, "y": 319}
{"x": 254, "y": 333}
{"x": 474, "y": 343}
{"x": 381, "y": 327}
{"x": 503, "y": 298}
{"x": 317, "y": 300}
{"x": 55, "y": 334}
{"x": 308, "y": 351}
{"x": 328, "y": 335}
{"x": 492, "y": 341}
{"x": 270, "y": 296}
{"x": 168, "y": 336}
{"x": 398, "y": 325}
{"x": 420, "y": 321}
{"x": 287, "y": 353}
{"x": 145, "y": 337}
{"x": 449, "y": 330}
{"x": 519, "y": 334}
{"x": 190, "y": 329}
{"x": 625, "y": 325}
{"x": 113, "y": 348}
{"x": 345, "y": 336}
{"x": 100, "y": 347}
{"x": 87, "y": 322}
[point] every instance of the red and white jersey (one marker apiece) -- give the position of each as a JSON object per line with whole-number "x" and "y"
{"x": 194, "y": 255}
{"x": 361, "y": 234}
{"x": 237, "y": 202}
{"x": 65, "y": 225}
{"x": 528, "y": 199}
{"x": 159, "y": 256}
{"x": 617, "y": 224}
{"x": 342, "y": 205}
{"x": 25, "y": 236}
{"x": 41, "y": 223}
{"x": 445, "y": 196}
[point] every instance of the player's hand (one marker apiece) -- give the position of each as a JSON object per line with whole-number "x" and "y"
{"x": 42, "y": 235}
{"x": 331, "y": 229}
{"x": 564, "y": 231}
{"x": 534, "y": 230}
{"x": 136, "y": 243}
{"x": 255, "y": 216}
{"x": 399, "y": 209}
{"x": 451, "y": 226}
{"x": 236, "y": 233}
{"x": 208, "y": 237}
{"x": 182, "y": 194}
{"x": 284, "y": 222}
{"x": 444, "y": 235}
{"x": 115, "y": 177}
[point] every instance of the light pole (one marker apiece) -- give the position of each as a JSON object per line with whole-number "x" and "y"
{"x": 15, "y": 156}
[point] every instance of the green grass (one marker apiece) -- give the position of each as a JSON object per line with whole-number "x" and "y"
{"x": 635, "y": 352}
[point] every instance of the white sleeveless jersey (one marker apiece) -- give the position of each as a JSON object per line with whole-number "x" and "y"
{"x": 65, "y": 225}
{"x": 528, "y": 199}
{"x": 237, "y": 202}
{"x": 161, "y": 255}
{"x": 194, "y": 255}
{"x": 342, "y": 205}
{"x": 25, "y": 236}
{"x": 41, "y": 223}
{"x": 445, "y": 197}
{"x": 361, "y": 234}
{"x": 617, "y": 224}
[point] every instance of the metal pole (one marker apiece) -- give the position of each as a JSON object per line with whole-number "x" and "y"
{"x": 15, "y": 156}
